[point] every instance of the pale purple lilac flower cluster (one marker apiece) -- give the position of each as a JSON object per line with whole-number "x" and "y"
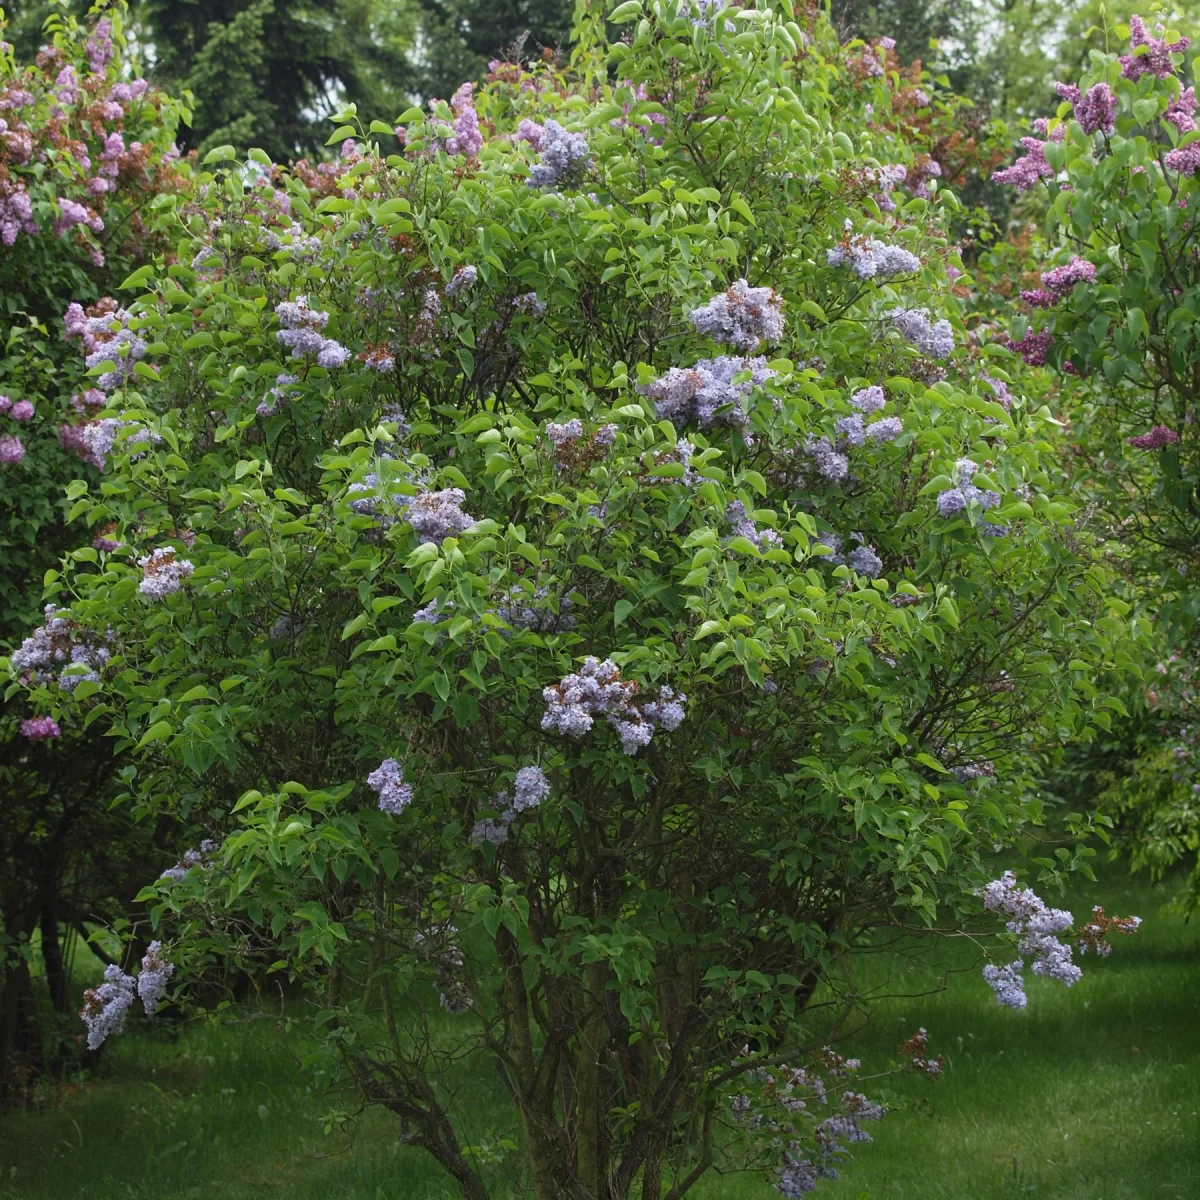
{"x": 598, "y": 689}
{"x": 530, "y": 788}
{"x": 562, "y": 157}
{"x": 282, "y": 392}
{"x": 191, "y": 859}
{"x": 163, "y": 573}
{"x": 935, "y": 340}
{"x": 1036, "y": 927}
{"x": 152, "y": 980}
{"x": 869, "y": 258}
{"x": 60, "y": 645}
{"x": 741, "y": 316}
{"x": 744, "y": 526}
{"x": 113, "y": 342}
{"x": 466, "y": 138}
{"x": 387, "y": 780}
{"x": 106, "y": 1007}
{"x": 16, "y": 410}
{"x": 953, "y": 502}
{"x": 1181, "y": 111}
{"x": 301, "y": 333}
{"x": 435, "y": 516}
{"x": 12, "y": 449}
{"x": 463, "y": 280}
{"x": 534, "y": 611}
{"x": 706, "y": 391}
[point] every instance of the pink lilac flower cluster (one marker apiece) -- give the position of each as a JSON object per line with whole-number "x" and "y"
{"x": 152, "y": 980}
{"x": 465, "y": 138}
{"x": 301, "y": 333}
{"x": 1181, "y": 111}
{"x": 598, "y": 689}
{"x": 1026, "y": 172}
{"x": 1157, "y": 58}
{"x": 17, "y": 410}
{"x": 1032, "y": 347}
{"x": 712, "y": 391}
{"x": 1185, "y": 160}
{"x": 163, "y": 573}
{"x": 387, "y": 780}
{"x": 1156, "y": 439}
{"x": 40, "y": 729}
{"x": 1096, "y": 111}
{"x": 16, "y": 207}
{"x": 1061, "y": 281}
{"x": 60, "y": 651}
{"x": 562, "y": 157}
{"x": 741, "y": 316}
{"x": 106, "y": 1007}
{"x": 12, "y": 449}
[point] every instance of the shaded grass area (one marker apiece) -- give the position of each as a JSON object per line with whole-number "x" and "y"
{"x": 1092, "y": 1093}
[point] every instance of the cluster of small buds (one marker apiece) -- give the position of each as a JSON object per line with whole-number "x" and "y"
{"x": 387, "y": 780}
{"x": 301, "y": 333}
{"x": 163, "y": 573}
{"x": 933, "y": 339}
{"x": 712, "y": 391}
{"x": 40, "y": 729}
{"x": 1094, "y": 935}
{"x": 198, "y": 857}
{"x": 1156, "y": 439}
{"x": 916, "y": 1053}
{"x": 869, "y": 258}
{"x": 741, "y": 316}
{"x": 573, "y": 704}
{"x": 106, "y": 1007}
{"x": 1096, "y": 111}
{"x": 435, "y": 516}
{"x": 537, "y": 611}
{"x": 562, "y": 157}
{"x": 745, "y": 527}
{"x": 60, "y": 651}
{"x": 1026, "y": 172}
{"x": 1157, "y": 58}
{"x": 954, "y": 501}
{"x": 153, "y": 977}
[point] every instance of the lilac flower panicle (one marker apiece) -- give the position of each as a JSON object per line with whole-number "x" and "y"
{"x": 850, "y": 430}
{"x": 1027, "y": 171}
{"x": 1007, "y": 983}
{"x": 163, "y": 573}
{"x": 869, "y": 399}
{"x": 463, "y": 280}
{"x": 741, "y": 316}
{"x": 435, "y": 516}
{"x": 1157, "y": 59}
{"x": 865, "y": 561}
{"x": 1062, "y": 280}
{"x": 1156, "y": 439}
{"x": 706, "y": 391}
{"x": 562, "y": 157}
{"x": 530, "y": 789}
{"x": 886, "y": 429}
{"x": 1185, "y": 159}
{"x": 387, "y": 780}
{"x": 1181, "y": 111}
{"x": 106, "y": 1007}
{"x": 935, "y": 340}
{"x": 301, "y": 333}
{"x": 12, "y": 449}
{"x": 744, "y": 526}
{"x": 40, "y": 729}
{"x": 830, "y": 464}
{"x": 152, "y": 980}
{"x": 869, "y": 258}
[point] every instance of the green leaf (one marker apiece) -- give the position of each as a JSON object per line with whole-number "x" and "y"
{"x": 621, "y": 610}
{"x": 341, "y": 133}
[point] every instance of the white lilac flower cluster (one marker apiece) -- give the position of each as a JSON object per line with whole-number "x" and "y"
{"x": 152, "y": 980}
{"x": 935, "y": 340}
{"x": 712, "y": 391}
{"x": 744, "y": 526}
{"x": 598, "y": 689}
{"x": 1035, "y": 926}
{"x": 162, "y": 573}
{"x": 953, "y": 502}
{"x": 869, "y": 258}
{"x": 60, "y": 651}
{"x": 301, "y": 333}
{"x": 741, "y": 316}
{"x": 562, "y": 157}
{"x": 191, "y": 858}
{"x": 530, "y": 788}
{"x": 388, "y": 781}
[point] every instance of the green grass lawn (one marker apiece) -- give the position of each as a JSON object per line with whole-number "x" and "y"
{"x": 1091, "y": 1093}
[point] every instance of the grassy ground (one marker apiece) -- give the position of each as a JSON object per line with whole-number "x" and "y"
{"x": 1090, "y": 1094}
